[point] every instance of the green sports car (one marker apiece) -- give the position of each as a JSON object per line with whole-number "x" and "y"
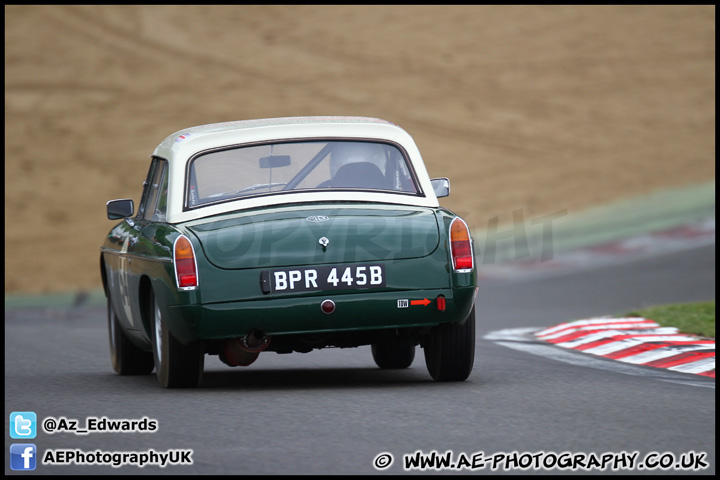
{"x": 286, "y": 235}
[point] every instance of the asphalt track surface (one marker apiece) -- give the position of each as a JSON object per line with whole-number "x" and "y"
{"x": 333, "y": 412}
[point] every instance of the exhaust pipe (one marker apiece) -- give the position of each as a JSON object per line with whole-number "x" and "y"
{"x": 241, "y": 352}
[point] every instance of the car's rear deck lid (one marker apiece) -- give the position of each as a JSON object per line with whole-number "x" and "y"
{"x": 317, "y": 234}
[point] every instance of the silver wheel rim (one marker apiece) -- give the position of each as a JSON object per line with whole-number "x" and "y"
{"x": 158, "y": 335}
{"x": 112, "y": 331}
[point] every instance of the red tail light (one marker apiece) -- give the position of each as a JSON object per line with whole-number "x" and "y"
{"x": 461, "y": 245}
{"x": 185, "y": 266}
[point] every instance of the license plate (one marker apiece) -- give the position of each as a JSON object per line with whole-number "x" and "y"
{"x": 323, "y": 278}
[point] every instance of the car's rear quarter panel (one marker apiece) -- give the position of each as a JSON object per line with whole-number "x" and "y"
{"x": 137, "y": 258}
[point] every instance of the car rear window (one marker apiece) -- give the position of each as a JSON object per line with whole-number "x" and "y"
{"x": 278, "y": 168}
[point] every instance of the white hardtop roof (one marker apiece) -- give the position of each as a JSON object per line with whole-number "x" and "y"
{"x": 185, "y": 143}
{"x": 182, "y": 145}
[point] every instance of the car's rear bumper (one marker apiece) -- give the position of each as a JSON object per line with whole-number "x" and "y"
{"x": 302, "y": 314}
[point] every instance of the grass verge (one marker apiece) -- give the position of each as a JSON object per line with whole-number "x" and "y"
{"x": 694, "y": 318}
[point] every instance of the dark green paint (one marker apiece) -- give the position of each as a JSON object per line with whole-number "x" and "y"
{"x": 233, "y": 249}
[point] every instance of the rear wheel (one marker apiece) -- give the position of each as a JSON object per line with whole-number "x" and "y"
{"x": 393, "y": 353}
{"x": 450, "y": 350}
{"x": 127, "y": 359}
{"x": 176, "y": 365}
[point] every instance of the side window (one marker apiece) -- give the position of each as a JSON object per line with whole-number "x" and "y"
{"x": 160, "y": 214}
{"x": 154, "y": 202}
{"x": 147, "y": 184}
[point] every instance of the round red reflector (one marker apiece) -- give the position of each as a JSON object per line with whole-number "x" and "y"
{"x": 327, "y": 306}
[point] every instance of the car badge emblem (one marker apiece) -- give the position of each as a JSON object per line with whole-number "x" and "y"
{"x": 324, "y": 242}
{"x": 317, "y": 218}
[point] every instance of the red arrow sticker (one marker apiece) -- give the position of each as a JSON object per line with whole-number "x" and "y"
{"x": 424, "y": 302}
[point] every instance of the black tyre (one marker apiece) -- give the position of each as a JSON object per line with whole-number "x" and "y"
{"x": 450, "y": 350}
{"x": 393, "y": 354}
{"x": 127, "y": 359}
{"x": 176, "y": 365}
